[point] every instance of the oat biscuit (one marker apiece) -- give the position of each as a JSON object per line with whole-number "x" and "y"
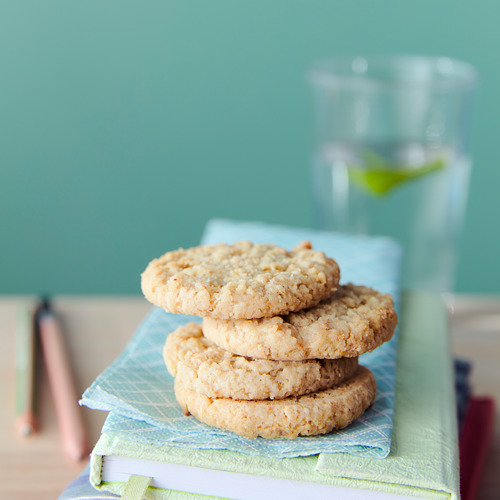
{"x": 316, "y": 413}
{"x": 205, "y": 368}
{"x": 242, "y": 280}
{"x": 354, "y": 320}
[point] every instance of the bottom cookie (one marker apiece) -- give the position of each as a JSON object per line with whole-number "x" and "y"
{"x": 316, "y": 413}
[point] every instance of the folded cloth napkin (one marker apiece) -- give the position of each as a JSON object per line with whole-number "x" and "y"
{"x": 137, "y": 385}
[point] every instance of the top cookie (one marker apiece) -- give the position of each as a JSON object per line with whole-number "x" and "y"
{"x": 240, "y": 281}
{"x": 354, "y": 320}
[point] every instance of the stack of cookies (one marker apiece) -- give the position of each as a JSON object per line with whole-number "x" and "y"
{"x": 276, "y": 354}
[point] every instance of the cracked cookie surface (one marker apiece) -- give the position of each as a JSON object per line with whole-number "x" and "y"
{"x": 202, "y": 366}
{"x": 354, "y": 320}
{"x": 242, "y": 280}
{"x": 316, "y": 413}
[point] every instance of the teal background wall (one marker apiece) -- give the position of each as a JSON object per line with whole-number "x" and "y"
{"x": 126, "y": 125}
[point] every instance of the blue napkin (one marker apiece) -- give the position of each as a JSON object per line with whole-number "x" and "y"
{"x": 138, "y": 390}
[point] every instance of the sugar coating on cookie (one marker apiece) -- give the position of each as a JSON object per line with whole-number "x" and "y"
{"x": 242, "y": 280}
{"x": 200, "y": 365}
{"x": 316, "y": 413}
{"x": 354, "y": 320}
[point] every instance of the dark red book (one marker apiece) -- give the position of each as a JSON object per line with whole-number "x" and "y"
{"x": 474, "y": 441}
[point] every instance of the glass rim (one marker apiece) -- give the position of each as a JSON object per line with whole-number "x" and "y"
{"x": 437, "y": 72}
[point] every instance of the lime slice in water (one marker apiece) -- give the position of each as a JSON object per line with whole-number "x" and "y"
{"x": 378, "y": 177}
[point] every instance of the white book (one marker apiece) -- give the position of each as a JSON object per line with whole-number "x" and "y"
{"x": 232, "y": 485}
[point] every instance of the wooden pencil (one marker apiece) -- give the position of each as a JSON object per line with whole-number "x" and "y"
{"x": 69, "y": 413}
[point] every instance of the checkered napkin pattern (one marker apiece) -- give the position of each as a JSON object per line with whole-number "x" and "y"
{"x": 138, "y": 390}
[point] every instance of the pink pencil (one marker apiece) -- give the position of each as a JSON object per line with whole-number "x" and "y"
{"x": 69, "y": 414}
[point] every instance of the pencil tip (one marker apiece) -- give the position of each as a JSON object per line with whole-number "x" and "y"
{"x": 45, "y": 302}
{"x": 43, "y": 306}
{"x": 25, "y": 430}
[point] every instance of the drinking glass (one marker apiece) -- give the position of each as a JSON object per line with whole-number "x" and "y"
{"x": 392, "y": 158}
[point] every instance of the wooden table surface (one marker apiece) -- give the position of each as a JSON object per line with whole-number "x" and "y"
{"x": 98, "y": 328}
